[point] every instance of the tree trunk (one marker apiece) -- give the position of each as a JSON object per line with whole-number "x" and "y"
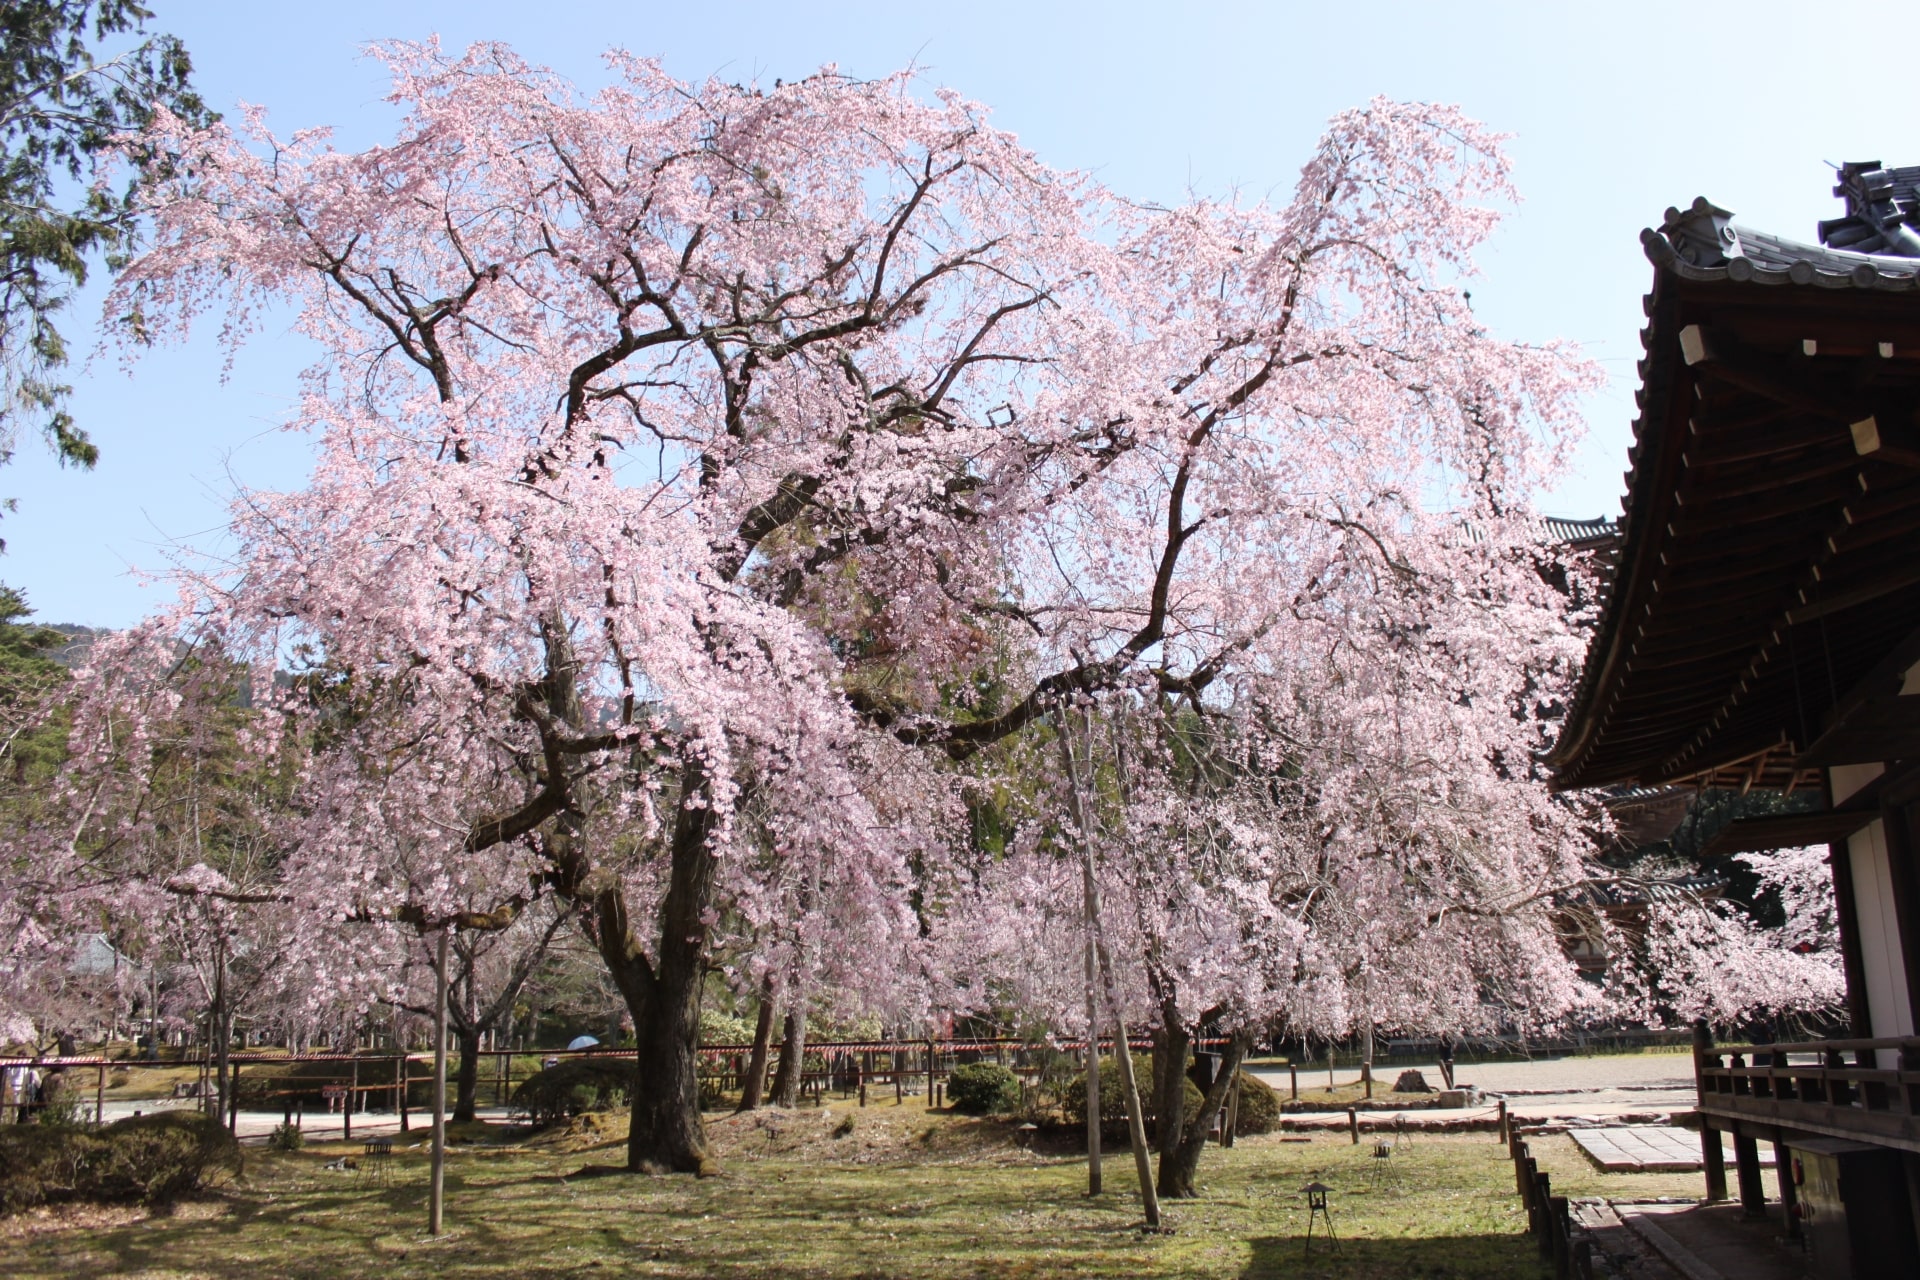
{"x": 667, "y": 1134}
{"x": 1177, "y": 1168}
{"x": 1170, "y": 1074}
{"x": 793, "y": 1052}
{"x": 467, "y": 1084}
{"x": 753, "y": 1089}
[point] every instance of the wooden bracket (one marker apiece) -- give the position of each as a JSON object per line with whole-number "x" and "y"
{"x": 1886, "y": 439}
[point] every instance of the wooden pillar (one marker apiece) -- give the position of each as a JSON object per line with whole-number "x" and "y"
{"x": 1789, "y": 1194}
{"x": 1746, "y": 1160}
{"x": 1847, "y": 916}
{"x": 1713, "y": 1160}
{"x": 1712, "y": 1157}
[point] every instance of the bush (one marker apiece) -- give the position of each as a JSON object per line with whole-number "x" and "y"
{"x": 1259, "y": 1107}
{"x": 286, "y": 1137}
{"x": 983, "y": 1088}
{"x": 152, "y": 1159}
{"x": 1113, "y": 1098}
{"x": 579, "y": 1084}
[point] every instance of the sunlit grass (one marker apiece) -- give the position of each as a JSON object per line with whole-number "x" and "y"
{"x": 1436, "y": 1207}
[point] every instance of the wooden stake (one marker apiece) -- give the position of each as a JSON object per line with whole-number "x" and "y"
{"x": 437, "y": 1196}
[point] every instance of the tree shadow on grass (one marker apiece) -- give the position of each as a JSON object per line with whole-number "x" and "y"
{"x": 1489, "y": 1257}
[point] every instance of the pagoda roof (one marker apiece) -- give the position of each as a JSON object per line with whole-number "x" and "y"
{"x": 1763, "y": 582}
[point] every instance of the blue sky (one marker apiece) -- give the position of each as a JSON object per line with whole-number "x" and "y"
{"x": 1618, "y": 111}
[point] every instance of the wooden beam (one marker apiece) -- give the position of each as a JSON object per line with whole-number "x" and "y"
{"x": 1786, "y": 831}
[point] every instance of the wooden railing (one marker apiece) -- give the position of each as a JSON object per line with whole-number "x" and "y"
{"x": 1867, "y": 1090}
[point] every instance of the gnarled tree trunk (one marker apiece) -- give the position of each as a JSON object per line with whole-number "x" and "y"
{"x": 753, "y": 1089}
{"x": 1178, "y": 1166}
{"x": 467, "y": 1079}
{"x": 1171, "y": 1047}
{"x": 793, "y": 1053}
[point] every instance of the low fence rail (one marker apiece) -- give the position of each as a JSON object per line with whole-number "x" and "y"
{"x": 387, "y": 1082}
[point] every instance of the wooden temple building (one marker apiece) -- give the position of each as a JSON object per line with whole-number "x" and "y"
{"x": 1760, "y": 627}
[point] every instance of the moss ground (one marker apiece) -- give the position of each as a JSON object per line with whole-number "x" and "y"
{"x": 905, "y": 1193}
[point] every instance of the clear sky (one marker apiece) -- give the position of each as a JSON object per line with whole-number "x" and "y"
{"x": 1618, "y": 111}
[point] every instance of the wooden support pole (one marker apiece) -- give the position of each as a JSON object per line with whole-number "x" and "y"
{"x": 1123, "y": 1050}
{"x": 1753, "y": 1192}
{"x": 1353, "y": 1125}
{"x": 1713, "y": 1162}
{"x": 401, "y": 1071}
{"x": 1293, "y": 1076}
{"x": 436, "y": 1198}
{"x": 1505, "y": 1132}
{"x": 346, "y": 1103}
{"x": 1366, "y": 1078}
{"x": 1789, "y": 1194}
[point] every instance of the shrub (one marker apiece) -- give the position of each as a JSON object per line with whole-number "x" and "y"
{"x": 286, "y": 1137}
{"x": 983, "y": 1088}
{"x": 1113, "y": 1098}
{"x": 1259, "y": 1107}
{"x": 151, "y": 1159}
{"x": 580, "y": 1084}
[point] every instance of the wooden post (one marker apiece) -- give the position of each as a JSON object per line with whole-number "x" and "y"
{"x": 100, "y": 1095}
{"x": 1366, "y": 1078}
{"x": 1505, "y": 1132}
{"x": 346, "y": 1103}
{"x": 232, "y": 1099}
{"x": 1329, "y": 1066}
{"x": 437, "y": 1193}
{"x": 403, "y": 1069}
{"x": 1753, "y": 1193}
{"x": 1713, "y": 1158}
{"x": 1543, "y": 1211}
{"x": 1353, "y": 1125}
{"x": 1713, "y": 1161}
{"x": 1293, "y": 1075}
{"x": 1789, "y": 1194}
{"x": 1559, "y": 1236}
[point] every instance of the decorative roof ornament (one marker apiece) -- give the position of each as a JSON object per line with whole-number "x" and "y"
{"x": 1883, "y": 206}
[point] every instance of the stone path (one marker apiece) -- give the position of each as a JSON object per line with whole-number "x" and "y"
{"x": 1640, "y": 1148}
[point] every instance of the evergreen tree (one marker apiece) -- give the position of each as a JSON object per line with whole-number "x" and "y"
{"x": 73, "y": 74}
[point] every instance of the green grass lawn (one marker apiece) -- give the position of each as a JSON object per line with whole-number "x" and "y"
{"x": 906, "y": 1194}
